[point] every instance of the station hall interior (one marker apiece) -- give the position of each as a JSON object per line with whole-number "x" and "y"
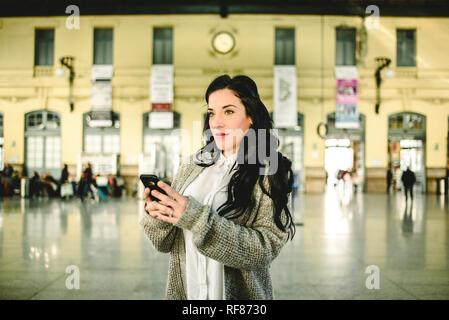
{"x": 358, "y": 92}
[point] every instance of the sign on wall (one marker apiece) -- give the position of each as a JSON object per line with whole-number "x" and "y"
{"x": 285, "y": 97}
{"x": 160, "y": 120}
{"x": 346, "y": 110}
{"x": 161, "y": 87}
{"x": 102, "y": 72}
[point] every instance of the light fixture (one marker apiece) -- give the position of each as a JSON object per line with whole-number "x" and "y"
{"x": 382, "y": 62}
{"x": 60, "y": 72}
{"x": 67, "y": 62}
{"x": 388, "y": 73}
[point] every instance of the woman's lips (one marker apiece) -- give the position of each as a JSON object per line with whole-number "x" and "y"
{"x": 221, "y": 135}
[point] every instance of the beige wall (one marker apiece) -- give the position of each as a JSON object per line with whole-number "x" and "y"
{"x": 424, "y": 89}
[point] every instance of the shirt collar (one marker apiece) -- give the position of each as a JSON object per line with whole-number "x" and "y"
{"x": 227, "y": 162}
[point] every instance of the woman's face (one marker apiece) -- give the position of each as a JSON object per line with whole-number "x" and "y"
{"x": 228, "y": 120}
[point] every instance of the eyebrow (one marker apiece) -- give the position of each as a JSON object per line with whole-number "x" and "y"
{"x": 228, "y": 105}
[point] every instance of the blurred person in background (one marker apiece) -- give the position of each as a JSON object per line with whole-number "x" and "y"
{"x": 85, "y": 183}
{"x": 389, "y": 179}
{"x": 35, "y": 185}
{"x": 64, "y": 175}
{"x": 408, "y": 180}
{"x": 50, "y": 185}
{"x": 7, "y": 180}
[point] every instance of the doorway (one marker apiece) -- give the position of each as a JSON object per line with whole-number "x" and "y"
{"x": 407, "y": 148}
{"x": 345, "y": 151}
{"x": 340, "y": 156}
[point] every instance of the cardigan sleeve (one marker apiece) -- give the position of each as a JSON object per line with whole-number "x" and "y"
{"x": 161, "y": 233}
{"x": 234, "y": 245}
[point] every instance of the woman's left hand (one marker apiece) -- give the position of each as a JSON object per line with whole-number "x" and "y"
{"x": 172, "y": 201}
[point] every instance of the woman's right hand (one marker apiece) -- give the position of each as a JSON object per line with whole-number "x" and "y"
{"x": 150, "y": 206}
{"x": 153, "y": 208}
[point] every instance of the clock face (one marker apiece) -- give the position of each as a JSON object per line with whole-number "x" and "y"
{"x": 223, "y": 42}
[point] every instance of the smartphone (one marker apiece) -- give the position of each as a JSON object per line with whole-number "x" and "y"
{"x": 150, "y": 181}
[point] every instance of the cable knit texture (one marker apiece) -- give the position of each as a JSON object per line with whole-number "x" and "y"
{"x": 246, "y": 245}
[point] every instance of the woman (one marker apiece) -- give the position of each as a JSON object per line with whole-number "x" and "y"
{"x": 224, "y": 219}
{"x": 64, "y": 175}
{"x": 85, "y": 182}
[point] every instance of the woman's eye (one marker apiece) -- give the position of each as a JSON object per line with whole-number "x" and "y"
{"x": 210, "y": 114}
{"x": 229, "y": 112}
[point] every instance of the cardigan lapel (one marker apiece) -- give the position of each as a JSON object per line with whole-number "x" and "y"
{"x": 192, "y": 172}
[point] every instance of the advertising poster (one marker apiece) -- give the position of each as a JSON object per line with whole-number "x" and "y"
{"x": 101, "y": 96}
{"x": 101, "y": 88}
{"x": 161, "y": 87}
{"x": 346, "y": 111}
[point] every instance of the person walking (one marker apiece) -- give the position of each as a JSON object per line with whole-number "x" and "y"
{"x": 64, "y": 175}
{"x": 35, "y": 185}
{"x": 86, "y": 181}
{"x": 227, "y": 214}
{"x": 389, "y": 179}
{"x": 408, "y": 180}
{"x": 7, "y": 180}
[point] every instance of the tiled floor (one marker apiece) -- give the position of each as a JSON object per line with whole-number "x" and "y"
{"x": 327, "y": 259}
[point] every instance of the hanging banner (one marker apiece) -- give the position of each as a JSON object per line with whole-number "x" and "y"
{"x": 101, "y": 96}
{"x": 161, "y": 87}
{"x": 101, "y": 87}
{"x": 285, "y": 97}
{"x": 346, "y": 111}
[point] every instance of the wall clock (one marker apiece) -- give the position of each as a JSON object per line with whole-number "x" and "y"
{"x": 223, "y": 42}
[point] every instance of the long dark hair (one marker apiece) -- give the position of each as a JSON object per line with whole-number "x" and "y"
{"x": 248, "y": 174}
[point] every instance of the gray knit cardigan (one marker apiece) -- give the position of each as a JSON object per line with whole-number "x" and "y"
{"x": 246, "y": 246}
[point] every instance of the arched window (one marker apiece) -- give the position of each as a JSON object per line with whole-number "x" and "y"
{"x": 407, "y": 122}
{"x": 101, "y": 132}
{"x": 43, "y": 142}
{"x": 345, "y": 148}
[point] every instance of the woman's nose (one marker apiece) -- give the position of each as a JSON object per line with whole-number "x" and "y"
{"x": 216, "y": 121}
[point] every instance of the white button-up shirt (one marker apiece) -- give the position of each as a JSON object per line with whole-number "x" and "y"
{"x": 205, "y": 276}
